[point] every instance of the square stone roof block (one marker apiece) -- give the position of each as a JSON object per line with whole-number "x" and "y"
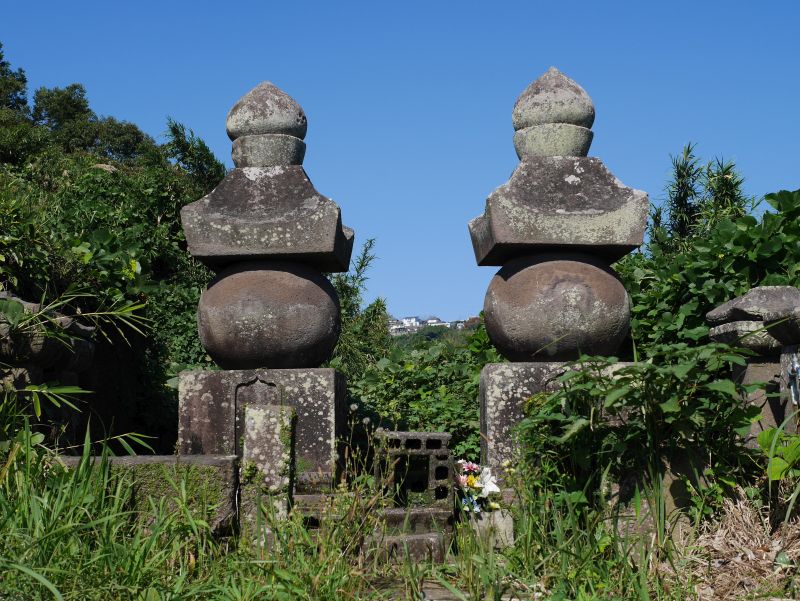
{"x": 553, "y": 203}
{"x": 267, "y": 213}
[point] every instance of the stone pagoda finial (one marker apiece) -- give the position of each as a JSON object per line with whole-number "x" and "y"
{"x": 269, "y": 234}
{"x": 553, "y": 117}
{"x": 267, "y": 128}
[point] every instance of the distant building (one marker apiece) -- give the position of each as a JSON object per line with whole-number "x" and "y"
{"x": 411, "y": 324}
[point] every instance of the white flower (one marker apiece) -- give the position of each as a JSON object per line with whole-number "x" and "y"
{"x": 488, "y": 483}
{"x": 354, "y": 406}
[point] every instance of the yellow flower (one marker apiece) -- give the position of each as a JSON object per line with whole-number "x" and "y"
{"x": 471, "y": 480}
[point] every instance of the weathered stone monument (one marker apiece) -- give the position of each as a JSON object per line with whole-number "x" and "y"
{"x": 270, "y": 318}
{"x": 765, "y": 320}
{"x": 554, "y": 227}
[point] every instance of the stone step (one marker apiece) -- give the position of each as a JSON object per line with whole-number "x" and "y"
{"x": 397, "y": 548}
{"x": 417, "y": 520}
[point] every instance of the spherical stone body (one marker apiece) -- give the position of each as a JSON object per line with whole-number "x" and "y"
{"x": 269, "y": 314}
{"x": 556, "y": 307}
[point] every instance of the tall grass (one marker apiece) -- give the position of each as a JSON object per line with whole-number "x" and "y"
{"x": 70, "y": 534}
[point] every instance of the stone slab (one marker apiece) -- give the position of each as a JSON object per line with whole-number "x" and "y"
{"x": 417, "y": 520}
{"x": 751, "y": 335}
{"x": 211, "y": 482}
{"x": 504, "y": 390}
{"x": 428, "y": 547}
{"x": 267, "y": 467}
{"x": 267, "y": 213}
{"x": 494, "y": 528}
{"x": 211, "y": 415}
{"x": 757, "y": 304}
{"x": 773, "y": 409}
{"x": 554, "y": 203}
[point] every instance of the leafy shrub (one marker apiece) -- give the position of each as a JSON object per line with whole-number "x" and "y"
{"x": 616, "y": 419}
{"x": 671, "y": 291}
{"x": 430, "y": 388}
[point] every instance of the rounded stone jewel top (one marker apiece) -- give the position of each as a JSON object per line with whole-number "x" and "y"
{"x": 266, "y": 109}
{"x": 553, "y": 98}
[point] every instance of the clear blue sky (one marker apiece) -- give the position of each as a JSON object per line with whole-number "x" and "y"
{"x": 409, "y": 103}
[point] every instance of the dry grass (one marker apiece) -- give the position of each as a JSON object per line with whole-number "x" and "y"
{"x": 741, "y": 556}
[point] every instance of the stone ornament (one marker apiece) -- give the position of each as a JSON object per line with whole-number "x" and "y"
{"x": 269, "y": 234}
{"x": 555, "y": 227}
{"x": 553, "y": 117}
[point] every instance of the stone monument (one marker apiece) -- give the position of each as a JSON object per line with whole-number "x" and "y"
{"x": 270, "y": 318}
{"x": 555, "y": 227}
{"x": 765, "y": 320}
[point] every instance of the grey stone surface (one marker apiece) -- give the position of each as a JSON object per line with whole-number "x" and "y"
{"x": 210, "y": 484}
{"x": 753, "y": 335}
{"x": 784, "y": 325}
{"x": 266, "y": 109}
{"x": 268, "y": 150}
{"x": 553, "y": 139}
{"x": 505, "y": 388}
{"x": 417, "y": 520}
{"x": 211, "y": 415}
{"x": 495, "y": 528}
{"x": 766, "y": 371}
{"x": 555, "y": 308}
{"x": 267, "y": 467}
{"x": 785, "y": 404}
{"x": 758, "y": 304}
{"x": 553, "y": 98}
{"x": 269, "y": 314}
{"x": 560, "y": 203}
{"x": 399, "y": 548}
{"x": 267, "y": 213}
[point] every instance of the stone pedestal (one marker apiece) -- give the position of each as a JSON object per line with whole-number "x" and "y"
{"x": 505, "y": 388}
{"x": 765, "y": 370}
{"x": 211, "y": 417}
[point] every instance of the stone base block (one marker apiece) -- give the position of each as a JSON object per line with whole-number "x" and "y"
{"x": 494, "y": 528}
{"x": 789, "y": 398}
{"x": 212, "y": 407}
{"x": 766, "y": 370}
{"x": 417, "y": 520}
{"x": 210, "y": 482}
{"x": 504, "y": 390}
{"x": 397, "y": 548}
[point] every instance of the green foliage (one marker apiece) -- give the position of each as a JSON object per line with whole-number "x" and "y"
{"x": 698, "y": 197}
{"x": 671, "y": 291}
{"x": 74, "y": 534}
{"x": 194, "y": 156}
{"x": 13, "y": 86}
{"x": 91, "y": 203}
{"x": 611, "y": 419}
{"x": 430, "y": 388}
{"x": 783, "y": 452}
{"x": 364, "y": 337}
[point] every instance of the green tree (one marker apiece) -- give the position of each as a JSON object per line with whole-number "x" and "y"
{"x": 364, "y": 337}
{"x": 13, "y": 86}
{"x": 193, "y": 155}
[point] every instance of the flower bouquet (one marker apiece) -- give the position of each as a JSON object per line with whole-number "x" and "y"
{"x": 477, "y": 487}
{"x": 479, "y": 494}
